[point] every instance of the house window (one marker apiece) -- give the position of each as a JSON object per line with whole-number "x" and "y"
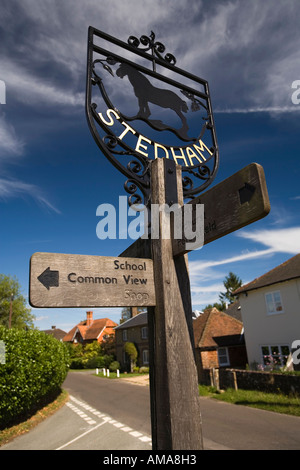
{"x": 145, "y": 356}
{"x": 144, "y": 332}
{"x": 274, "y": 303}
{"x": 275, "y": 356}
{"x": 124, "y": 335}
{"x": 223, "y": 357}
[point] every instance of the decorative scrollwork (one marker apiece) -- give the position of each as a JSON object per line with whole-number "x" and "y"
{"x": 156, "y": 47}
{"x": 131, "y": 188}
{"x": 187, "y": 183}
{"x": 202, "y": 172}
{"x": 138, "y": 168}
{"x": 111, "y": 142}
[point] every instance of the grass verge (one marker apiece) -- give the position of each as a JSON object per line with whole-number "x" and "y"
{"x": 10, "y": 433}
{"x": 276, "y": 402}
{"x": 122, "y": 375}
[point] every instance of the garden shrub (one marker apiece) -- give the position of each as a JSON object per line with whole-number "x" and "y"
{"x": 34, "y": 369}
{"x": 114, "y": 366}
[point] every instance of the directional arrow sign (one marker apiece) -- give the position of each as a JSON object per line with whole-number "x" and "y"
{"x": 61, "y": 280}
{"x": 49, "y": 278}
{"x": 232, "y": 204}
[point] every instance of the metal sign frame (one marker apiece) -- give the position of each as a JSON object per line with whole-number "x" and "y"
{"x": 200, "y": 159}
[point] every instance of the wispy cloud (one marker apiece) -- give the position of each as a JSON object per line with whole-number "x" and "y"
{"x": 197, "y": 267}
{"x": 11, "y": 188}
{"x": 259, "y": 109}
{"x": 10, "y": 143}
{"x": 285, "y": 240}
{"x": 205, "y": 277}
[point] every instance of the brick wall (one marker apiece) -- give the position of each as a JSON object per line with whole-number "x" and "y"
{"x": 254, "y": 380}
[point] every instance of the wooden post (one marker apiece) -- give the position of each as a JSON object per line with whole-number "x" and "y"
{"x": 175, "y": 406}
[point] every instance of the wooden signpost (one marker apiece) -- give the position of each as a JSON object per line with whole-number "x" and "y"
{"x": 232, "y": 204}
{"x": 229, "y": 206}
{"x": 64, "y": 280}
{"x": 153, "y": 272}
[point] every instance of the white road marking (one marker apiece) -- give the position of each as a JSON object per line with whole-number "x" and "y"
{"x": 106, "y": 420}
{"x": 81, "y": 435}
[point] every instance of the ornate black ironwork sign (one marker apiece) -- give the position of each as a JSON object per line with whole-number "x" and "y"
{"x": 141, "y": 106}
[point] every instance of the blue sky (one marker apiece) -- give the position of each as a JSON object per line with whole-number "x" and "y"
{"x": 53, "y": 176}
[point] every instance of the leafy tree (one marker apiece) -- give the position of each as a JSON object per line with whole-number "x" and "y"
{"x": 219, "y": 306}
{"x": 131, "y": 350}
{"x": 231, "y": 283}
{"x": 126, "y": 313}
{"x": 109, "y": 345}
{"x": 11, "y": 298}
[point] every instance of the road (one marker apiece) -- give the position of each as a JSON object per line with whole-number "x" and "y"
{"x": 104, "y": 414}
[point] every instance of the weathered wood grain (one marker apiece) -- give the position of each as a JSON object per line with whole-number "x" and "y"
{"x": 176, "y": 419}
{"x": 67, "y": 280}
{"x": 232, "y": 204}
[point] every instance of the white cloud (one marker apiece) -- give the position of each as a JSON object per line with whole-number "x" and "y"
{"x": 10, "y": 144}
{"x": 10, "y": 188}
{"x": 205, "y": 277}
{"x": 25, "y": 86}
{"x": 196, "y": 267}
{"x": 259, "y": 109}
{"x": 285, "y": 240}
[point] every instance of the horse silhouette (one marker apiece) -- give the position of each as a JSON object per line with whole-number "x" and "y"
{"x": 147, "y": 93}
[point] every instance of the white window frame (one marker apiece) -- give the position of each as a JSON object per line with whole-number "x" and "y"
{"x": 275, "y": 310}
{"x": 279, "y": 356}
{"x": 225, "y": 355}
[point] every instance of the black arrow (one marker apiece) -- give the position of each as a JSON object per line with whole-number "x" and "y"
{"x": 246, "y": 193}
{"x": 49, "y": 278}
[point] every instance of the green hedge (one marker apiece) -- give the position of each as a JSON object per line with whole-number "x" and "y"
{"x": 92, "y": 362}
{"x": 35, "y": 367}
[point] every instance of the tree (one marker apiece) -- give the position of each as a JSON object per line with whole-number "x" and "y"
{"x": 231, "y": 283}
{"x": 131, "y": 350}
{"x": 126, "y": 313}
{"x": 12, "y": 301}
{"x": 219, "y": 306}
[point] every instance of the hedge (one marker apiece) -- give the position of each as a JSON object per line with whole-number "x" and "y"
{"x": 35, "y": 367}
{"x": 92, "y": 362}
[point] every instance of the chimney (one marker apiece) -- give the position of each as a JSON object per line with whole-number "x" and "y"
{"x": 134, "y": 311}
{"x": 53, "y": 327}
{"x": 89, "y": 318}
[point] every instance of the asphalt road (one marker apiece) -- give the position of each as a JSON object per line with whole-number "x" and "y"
{"x": 104, "y": 414}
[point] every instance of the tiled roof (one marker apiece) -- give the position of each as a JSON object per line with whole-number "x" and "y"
{"x": 234, "y": 310}
{"x": 290, "y": 269}
{"x": 137, "y": 320}
{"x": 55, "y": 332}
{"x": 93, "y": 331}
{"x": 213, "y": 323}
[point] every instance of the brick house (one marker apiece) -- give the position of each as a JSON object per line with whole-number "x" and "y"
{"x": 219, "y": 341}
{"x": 91, "y": 330}
{"x": 134, "y": 330}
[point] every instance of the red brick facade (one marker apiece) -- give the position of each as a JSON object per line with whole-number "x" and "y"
{"x": 216, "y": 333}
